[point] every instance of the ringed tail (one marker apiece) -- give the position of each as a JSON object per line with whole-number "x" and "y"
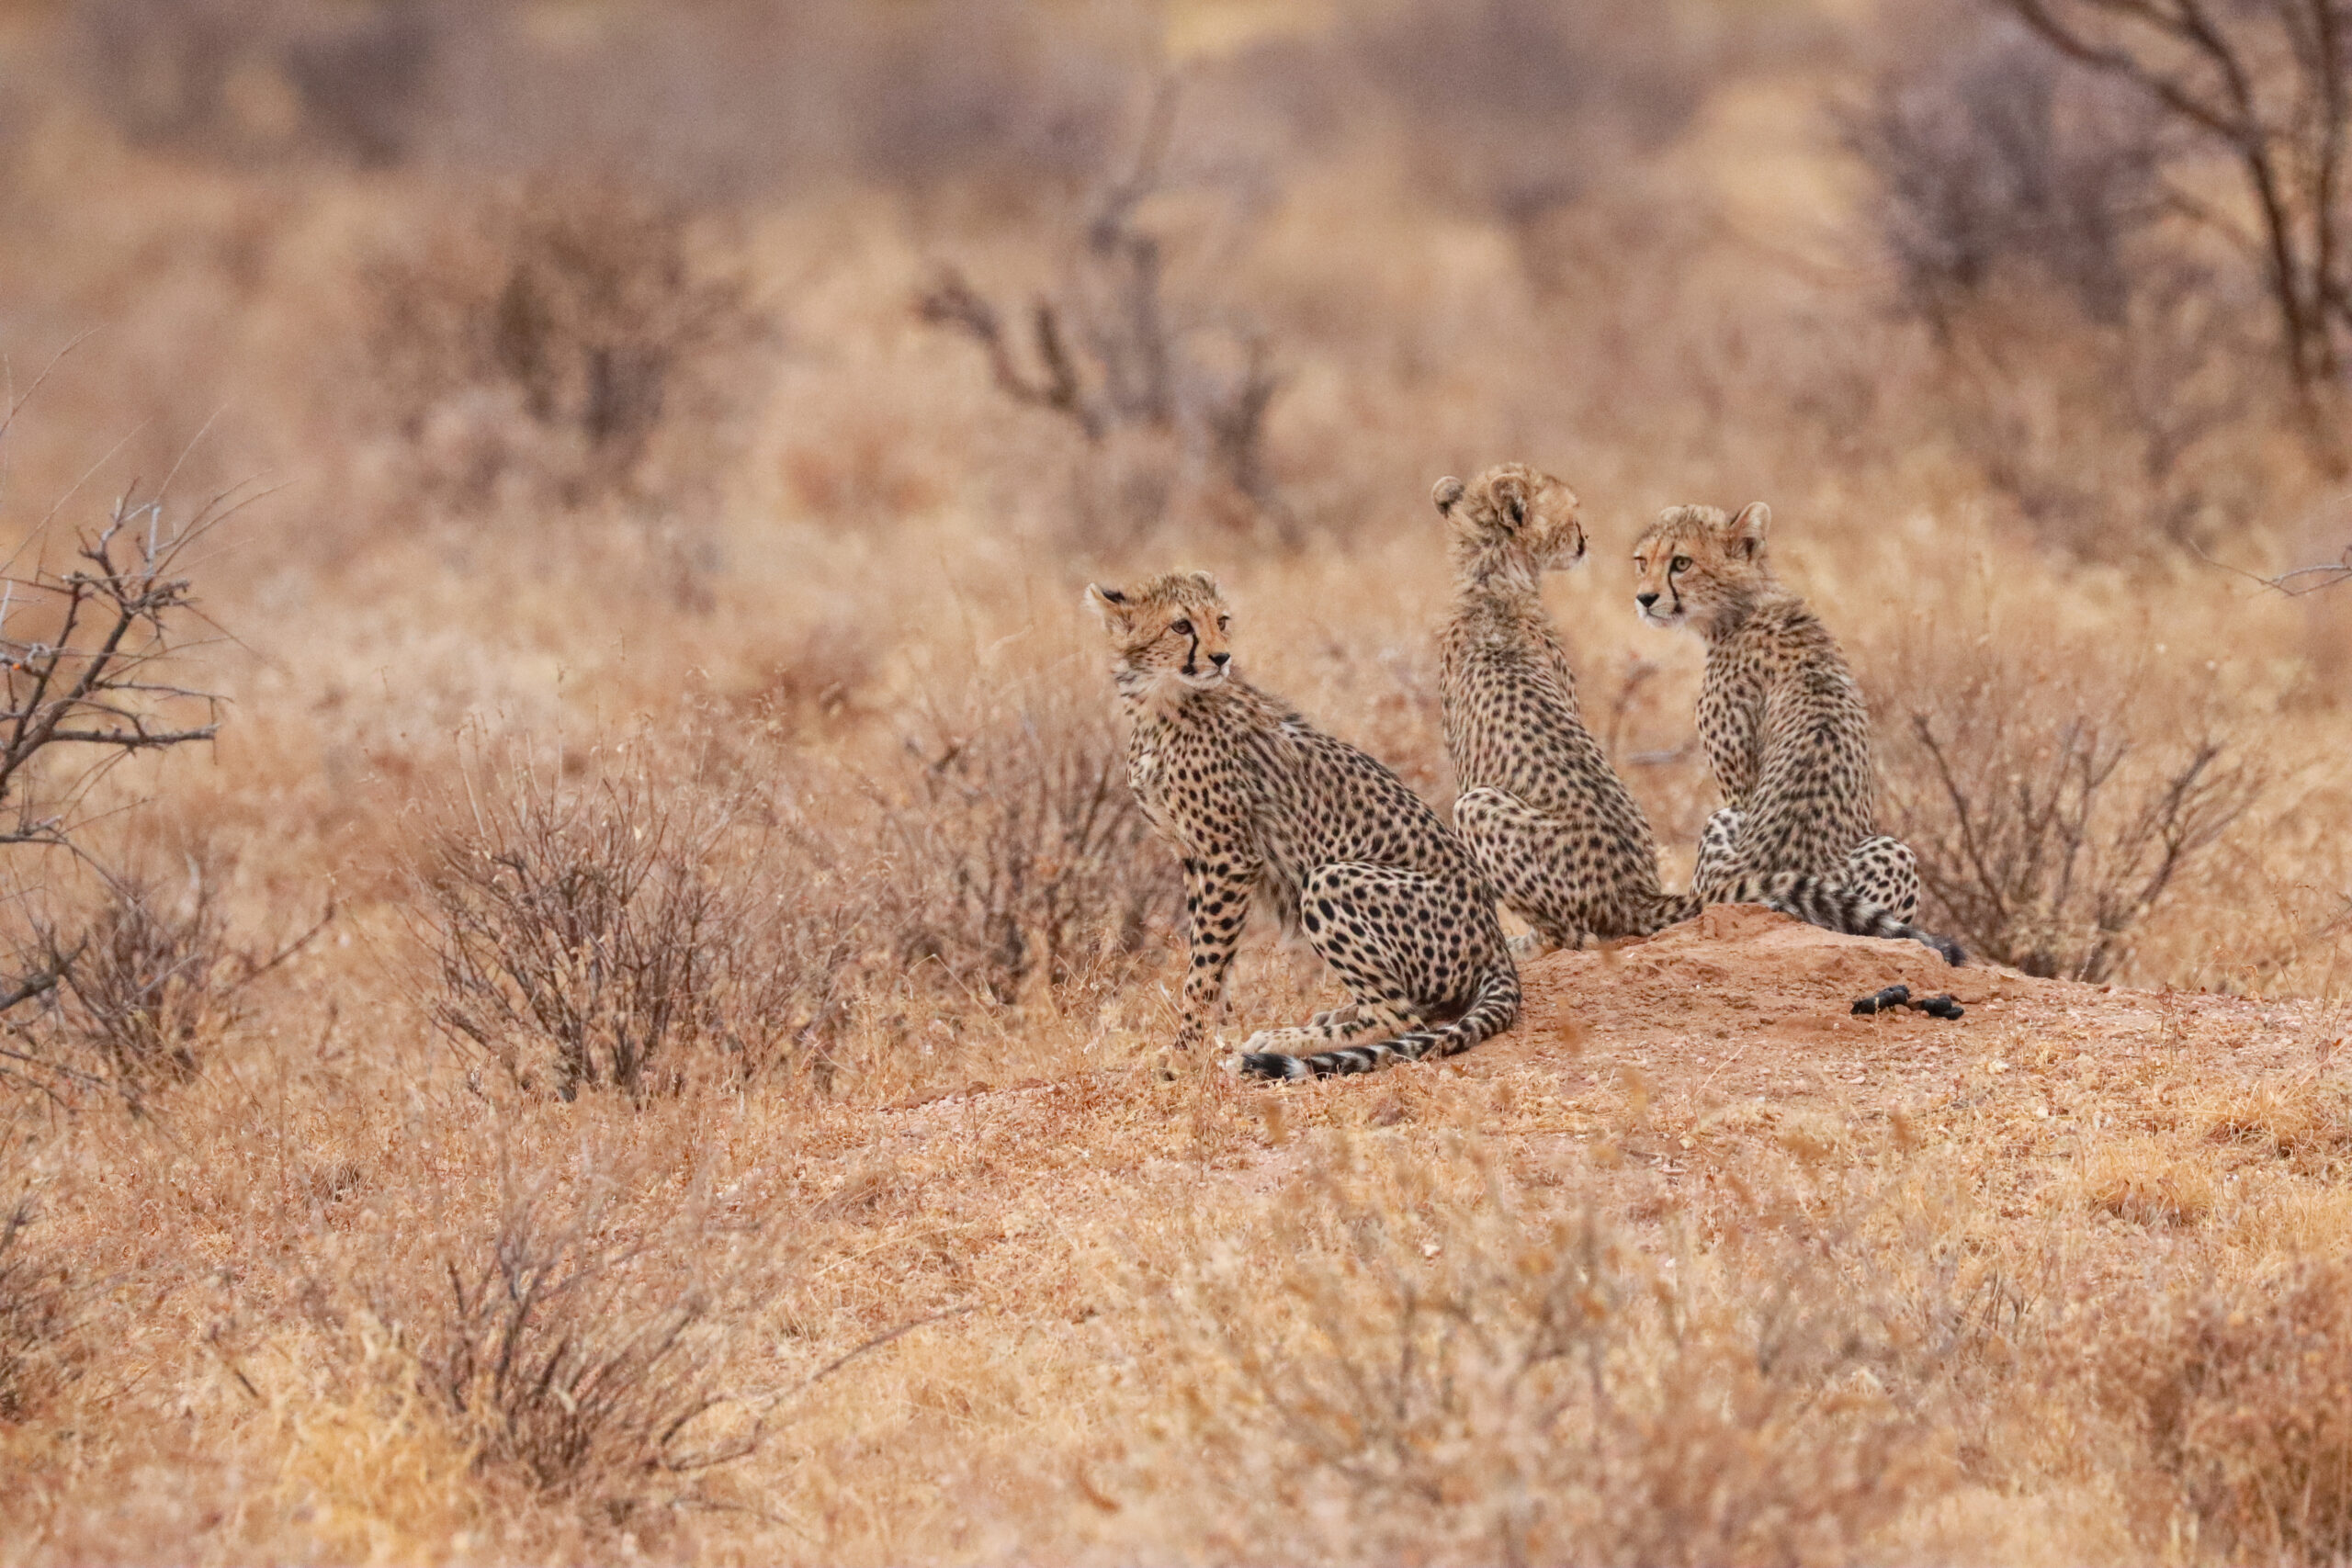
{"x": 1823, "y": 902}
{"x": 1492, "y": 1010}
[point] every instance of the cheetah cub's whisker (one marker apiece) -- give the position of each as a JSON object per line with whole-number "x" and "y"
{"x": 1785, "y": 729}
{"x": 1557, "y": 832}
{"x": 1261, "y": 804}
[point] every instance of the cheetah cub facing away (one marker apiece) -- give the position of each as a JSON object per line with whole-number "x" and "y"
{"x": 1782, "y": 719}
{"x": 1559, "y": 836}
{"x": 1260, "y": 802}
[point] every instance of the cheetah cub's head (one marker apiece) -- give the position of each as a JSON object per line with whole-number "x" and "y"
{"x": 1694, "y": 563}
{"x": 1515, "y": 511}
{"x": 1169, "y": 633}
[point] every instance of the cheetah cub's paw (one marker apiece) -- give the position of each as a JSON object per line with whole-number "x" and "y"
{"x": 1170, "y": 1062}
{"x": 1285, "y": 1042}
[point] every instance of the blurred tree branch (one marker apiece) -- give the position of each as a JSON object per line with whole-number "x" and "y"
{"x": 2264, "y": 84}
{"x": 1107, "y": 354}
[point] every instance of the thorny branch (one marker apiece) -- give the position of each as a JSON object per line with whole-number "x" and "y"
{"x": 83, "y": 655}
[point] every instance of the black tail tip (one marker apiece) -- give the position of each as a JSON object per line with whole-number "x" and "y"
{"x": 1273, "y": 1064}
{"x": 1950, "y": 951}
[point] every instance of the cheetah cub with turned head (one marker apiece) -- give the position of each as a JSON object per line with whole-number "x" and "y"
{"x": 1782, "y": 719}
{"x": 1259, "y": 803}
{"x": 1557, "y": 832}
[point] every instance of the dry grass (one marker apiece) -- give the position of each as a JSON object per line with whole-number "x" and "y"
{"x": 664, "y": 654}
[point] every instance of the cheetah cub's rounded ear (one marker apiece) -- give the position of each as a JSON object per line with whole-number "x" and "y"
{"x": 1109, "y": 605}
{"x": 1748, "y": 530}
{"x": 1510, "y": 495}
{"x": 1446, "y": 493}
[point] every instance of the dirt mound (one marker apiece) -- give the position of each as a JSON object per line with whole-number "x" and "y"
{"x": 1750, "y": 1005}
{"x": 1743, "y": 964}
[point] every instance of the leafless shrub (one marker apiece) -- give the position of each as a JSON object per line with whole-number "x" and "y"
{"x": 1479, "y": 1388}
{"x": 2093, "y": 354}
{"x": 1021, "y": 855}
{"x": 2260, "y": 91}
{"x": 563, "y": 346}
{"x": 2245, "y": 1398}
{"x": 148, "y": 980}
{"x": 37, "y": 1315}
{"x": 85, "y": 651}
{"x": 2047, "y": 816}
{"x": 568, "y": 1364}
{"x": 585, "y": 933}
{"x": 1994, "y": 160}
{"x": 1116, "y": 358}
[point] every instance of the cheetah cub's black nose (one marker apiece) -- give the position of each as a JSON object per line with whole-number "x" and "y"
{"x": 1220, "y": 660}
{"x": 1645, "y": 599}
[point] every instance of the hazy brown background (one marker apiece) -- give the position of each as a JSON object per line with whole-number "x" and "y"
{"x": 659, "y": 649}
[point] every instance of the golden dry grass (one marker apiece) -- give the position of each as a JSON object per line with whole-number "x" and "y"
{"x": 1692, "y": 1267}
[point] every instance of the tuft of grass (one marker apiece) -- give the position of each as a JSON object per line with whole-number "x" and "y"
{"x": 1463, "y": 1380}
{"x": 38, "y": 1306}
{"x": 2243, "y": 1395}
{"x": 2149, "y": 1182}
{"x": 568, "y": 1360}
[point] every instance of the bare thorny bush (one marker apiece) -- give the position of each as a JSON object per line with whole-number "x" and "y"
{"x": 2095, "y": 361}
{"x": 151, "y": 978}
{"x": 630, "y": 930}
{"x": 1171, "y": 400}
{"x": 1026, "y": 859}
{"x": 2052, "y": 808}
{"x": 86, "y": 652}
{"x": 590, "y": 933}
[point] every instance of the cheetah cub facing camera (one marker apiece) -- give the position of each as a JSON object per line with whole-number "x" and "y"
{"x": 1559, "y": 836}
{"x": 1782, "y": 719}
{"x": 1259, "y": 803}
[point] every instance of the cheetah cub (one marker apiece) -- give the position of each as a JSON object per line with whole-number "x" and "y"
{"x": 1782, "y": 719}
{"x": 1561, "y": 839}
{"x": 1261, "y": 803}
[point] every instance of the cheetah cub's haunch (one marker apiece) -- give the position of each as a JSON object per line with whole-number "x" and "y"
{"x": 1257, "y": 800}
{"x": 1559, "y": 836}
{"x": 1783, "y": 722}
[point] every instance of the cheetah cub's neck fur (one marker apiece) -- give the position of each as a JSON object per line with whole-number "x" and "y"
{"x": 1261, "y": 804}
{"x": 1781, "y": 715}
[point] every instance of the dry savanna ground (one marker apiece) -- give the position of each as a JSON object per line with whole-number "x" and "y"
{"x": 628, "y": 1031}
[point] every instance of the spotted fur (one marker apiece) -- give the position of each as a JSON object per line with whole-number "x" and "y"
{"x": 1557, "y": 833}
{"x": 1261, "y": 804}
{"x": 1784, "y": 726}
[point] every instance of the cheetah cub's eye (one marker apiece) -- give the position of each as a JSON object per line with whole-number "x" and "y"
{"x": 1182, "y": 629}
{"x": 1681, "y": 563}
{"x": 1225, "y": 622}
